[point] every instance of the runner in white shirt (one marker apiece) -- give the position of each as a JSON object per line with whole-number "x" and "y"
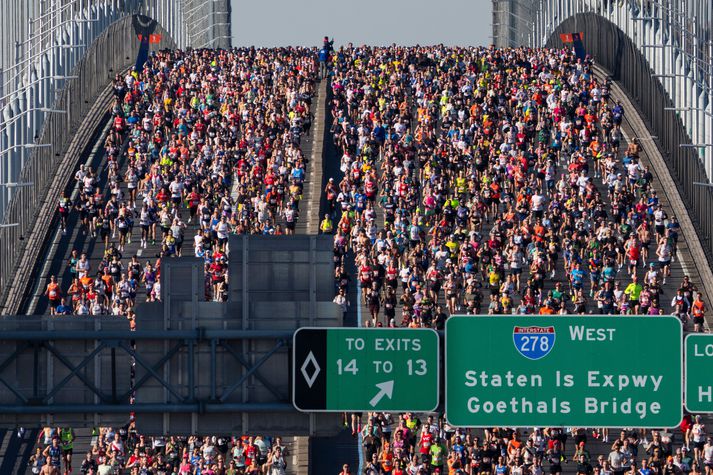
{"x": 698, "y": 431}
{"x": 222, "y": 229}
{"x": 708, "y": 455}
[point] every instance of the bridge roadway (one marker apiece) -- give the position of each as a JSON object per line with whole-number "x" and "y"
{"x": 332, "y": 451}
{"x": 685, "y": 264}
{"x": 16, "y": 451}
{"x": 64, "y": 244}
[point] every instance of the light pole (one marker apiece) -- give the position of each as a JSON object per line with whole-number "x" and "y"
{"x": 24, "y": 112}
{"x": 26, "y": 145}
{"x": 12, "y": 184}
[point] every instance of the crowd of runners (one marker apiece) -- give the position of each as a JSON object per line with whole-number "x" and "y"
{"x": 203, "y": 143}
{"x": 473, "y": 181}
{"x": 411, "y": 446}
{"x": 471, "y": 178}
{"x": 117, "y": 451}
{"x": 484, "y": 181}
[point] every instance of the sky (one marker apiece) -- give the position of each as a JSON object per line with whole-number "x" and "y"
{"x": 373, "y": 22}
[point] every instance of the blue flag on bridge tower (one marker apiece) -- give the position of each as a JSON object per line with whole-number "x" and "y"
{"x": 144, "y": 28}
{"x": 143, "y": 53}
{"x": 578, "y": 46}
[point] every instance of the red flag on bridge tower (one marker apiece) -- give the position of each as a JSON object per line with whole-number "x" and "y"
{"x": 152, "y": 38}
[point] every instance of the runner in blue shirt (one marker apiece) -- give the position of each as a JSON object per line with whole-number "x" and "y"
{"x": 54, "y": 452}
{"x": 577, "y": 276}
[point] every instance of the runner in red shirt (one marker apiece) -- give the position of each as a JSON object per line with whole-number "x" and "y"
{"x": 250, "y": 451}
{"x": 424, "y": 443}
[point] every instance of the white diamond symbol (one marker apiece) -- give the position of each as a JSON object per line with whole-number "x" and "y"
{"x": 310, "y": 360}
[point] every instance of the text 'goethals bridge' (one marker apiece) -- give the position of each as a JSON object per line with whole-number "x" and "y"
{"x": 533, "y": 371}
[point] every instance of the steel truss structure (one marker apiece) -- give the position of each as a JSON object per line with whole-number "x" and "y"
{"x": 192, "y": 366}
{"x": 131, "y": 370}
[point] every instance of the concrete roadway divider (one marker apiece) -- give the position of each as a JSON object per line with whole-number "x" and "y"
{"x": 309, "y": 218}
{"x": 297, "y": 455}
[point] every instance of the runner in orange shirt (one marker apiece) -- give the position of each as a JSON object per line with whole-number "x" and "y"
{"x": 54, "y": 293}
{"x": 547, "y": 309}
{"x": 387, "y": 459}
{"x": 698, "y": 311}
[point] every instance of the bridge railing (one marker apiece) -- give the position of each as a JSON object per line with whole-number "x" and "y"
{"x": 674, "y": 36}
{"x": 615, "y": 52}
{"x": 80, "y": 107}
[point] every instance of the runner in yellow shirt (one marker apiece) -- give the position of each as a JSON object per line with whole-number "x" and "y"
{"x": 633, "y": 290}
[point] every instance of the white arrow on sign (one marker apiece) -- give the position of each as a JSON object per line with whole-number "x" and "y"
{"x": 385, "y": 389}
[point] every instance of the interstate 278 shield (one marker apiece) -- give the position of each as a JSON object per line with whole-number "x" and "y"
{"x": 534, "y": 342}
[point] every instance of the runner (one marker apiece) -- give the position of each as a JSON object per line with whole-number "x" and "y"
{"x": 66, "y": 436}
{"x": 54, "y": 294}
{"x": 698, "y": 311}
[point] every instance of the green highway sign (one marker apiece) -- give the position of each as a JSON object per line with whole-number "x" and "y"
{"x": 528, "y": 371}
{"x": 365, "y": 369}
{"x": 699, "y": 373}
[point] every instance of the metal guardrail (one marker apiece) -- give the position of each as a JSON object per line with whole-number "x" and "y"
{"x": 112, "y": 52}
{"x": 56, "y": 57}
{"x": 614, "y": 50}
